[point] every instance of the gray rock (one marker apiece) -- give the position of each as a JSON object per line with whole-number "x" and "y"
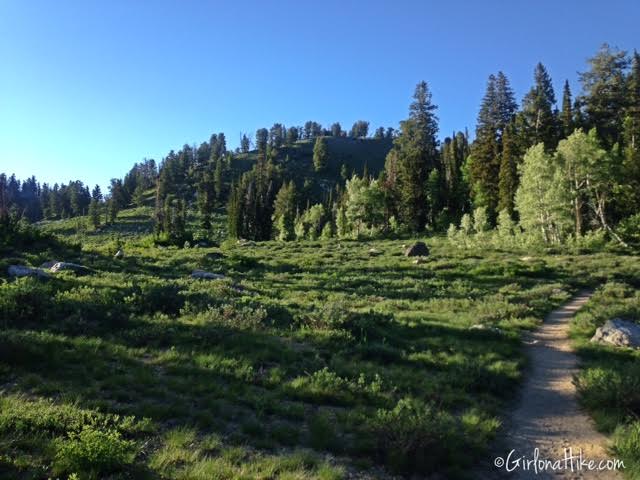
{"x": 70, "y": 267}
{"x": 204, "y": 275}
{"x": 374, "y": 252}
{"x": 418, "y": 249}
{"x": 49, "y": 264}
{"x": 22, "y": 271}
{"x": 618, "y": 332}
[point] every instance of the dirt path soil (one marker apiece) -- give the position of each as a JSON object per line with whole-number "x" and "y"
{"x": 549, "y": 417}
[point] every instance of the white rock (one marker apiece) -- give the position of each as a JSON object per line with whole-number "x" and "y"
{"x": 488, "y": 328}
{"x": 119, "y": 254}
{"x": 618, "y": 332}
{"x": 70, "y": 267}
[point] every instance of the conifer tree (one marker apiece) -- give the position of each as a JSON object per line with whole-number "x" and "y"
{"x": 94, "y": 212}
{"x": 538, "y": 111}
{"x": 566, "y": 116}
{"x": 320, "y": 155}
{"x": 508, "y": 175}
{"x": 284, "y": 212}
{"x": 605, "y": 94}
{"x": 415, "y": 156}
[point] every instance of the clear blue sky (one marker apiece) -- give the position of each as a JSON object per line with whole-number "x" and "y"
{"x": 87, "y": 88}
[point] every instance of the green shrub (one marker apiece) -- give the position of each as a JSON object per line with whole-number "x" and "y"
{"x": 93, "y": 453}
{"x": 25, "y": 300}
{"x": 613, "y": 389}
{"x": 151, "y": 297}
{"x": 322, "y": 432}
{"x": 626, "y": 444}
{"x": 415, "y": 437}
{"x": 104, "y": 306}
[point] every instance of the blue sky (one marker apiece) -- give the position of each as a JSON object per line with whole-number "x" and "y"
{"x": 87, "y": 88}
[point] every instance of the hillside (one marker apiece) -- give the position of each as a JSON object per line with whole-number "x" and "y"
{"x": 355, "y": 153}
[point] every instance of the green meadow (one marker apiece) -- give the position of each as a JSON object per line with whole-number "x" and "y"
{"x": 310, "y": 359}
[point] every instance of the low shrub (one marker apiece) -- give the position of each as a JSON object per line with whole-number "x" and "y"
{"x": 93, "y": 453}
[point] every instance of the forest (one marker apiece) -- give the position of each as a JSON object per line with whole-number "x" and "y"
{"x": 546, "y": 170}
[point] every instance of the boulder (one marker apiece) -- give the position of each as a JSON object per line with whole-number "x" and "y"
{"x": 418, "y": 249}
{"x": 119, "y": 254}
{"x": 22, "y": 271}
{"x": 618, "y": 332}
{"x": 49, "y": 264}
{"x": 204, "y": 275}
{"x": 70, "y": 267}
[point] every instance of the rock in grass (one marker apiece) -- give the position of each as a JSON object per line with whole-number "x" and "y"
{"x": 374, "y": 252}
{"x": 49, "y": 264}
{"x": 70, "y": 267}
{"x": 418, "y": 261}
{"x": 119, "y": 254}
{"x": 418, "y": 249}
{"x": 204, "y": 275}
{"x": 22, "y": 271}
{"x": 618, "y": 332}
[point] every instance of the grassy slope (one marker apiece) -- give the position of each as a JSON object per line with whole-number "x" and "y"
{"x": 354, "y": 153}
{"x": 313, "y": 360}
{"x": 609, "y": 382}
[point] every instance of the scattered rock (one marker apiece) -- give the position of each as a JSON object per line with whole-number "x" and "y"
{"x": 22, "y": 271}
{"x": 49, "y": 264}
{"x": 70, "y": 267}
{"x": 487, "y": 328}
{"x": 618, "y": 332}
{"x": 526, "y": 259}
{"x": 119, "y": 254}
{"x": 246, "y": 243}
{"x": 418, "y": 249}
{"x": 187, "y": 244}
{"x": 418, "y": 261}
{"x": 214, "y": 255}
{"x": 374, "y": 252}
{"x": 204, "y": 275}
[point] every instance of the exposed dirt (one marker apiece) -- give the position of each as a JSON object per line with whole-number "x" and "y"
{"x": 548, "y": 416}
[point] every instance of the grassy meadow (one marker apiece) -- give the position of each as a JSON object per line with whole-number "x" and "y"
{"x": 327, "y": 360}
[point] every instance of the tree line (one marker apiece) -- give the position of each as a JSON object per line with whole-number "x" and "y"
{"x": 556, "y": 169}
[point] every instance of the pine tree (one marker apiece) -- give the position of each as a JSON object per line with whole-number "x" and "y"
{"x": 415, "y": 156}
{"x": 508, "y": 175}
{"x": 284, "y": 212}
{"x": 538, "y": 111}
{"x": 566, "y": 116}
{"x": 605, "y": 94}
{"x": 94, "y": 212}
{"x": 320, "y": 155}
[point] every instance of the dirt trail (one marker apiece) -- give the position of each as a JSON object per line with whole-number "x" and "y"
{"x": 548, "y": 417}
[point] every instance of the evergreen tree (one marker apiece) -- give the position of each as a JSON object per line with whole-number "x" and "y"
{"x": 320, "y": 155}
{"x": 262, "y": 138}
{"x": 566, "y": 116}
{"x": 94, "y": 212}
{"x": 508, "y": 175}
{"x": 416, "y": 155}
{"x": 245, "y": 144}
{"x": 605, "y": 94}
{"x": 293, "y": 134}
{"x": 360, "y": 129}
{"x": 538, "y": 111}
{"x": 336, "y": 130}
{"x": 284, "y": 212}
